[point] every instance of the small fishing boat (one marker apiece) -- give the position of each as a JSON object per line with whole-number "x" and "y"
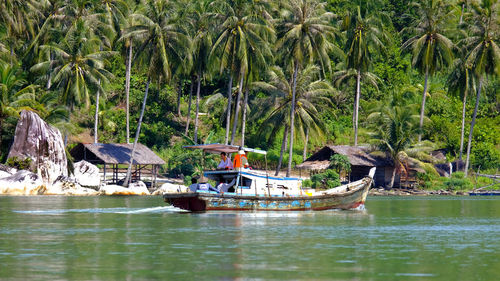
{"x": 252, "y": 190}
{"x": 485, "y": 193}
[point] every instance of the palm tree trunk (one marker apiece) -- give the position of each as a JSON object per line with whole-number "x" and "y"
{"x": 237, "y": 108}
{"x": 356, "y": 106}
{"x": 229, "y": 99}
{"x": 473, "y": 122}
{"x": 127, "y": 88}
{"x": 283, "y": 146}
{"x": 462, "y": 14}
{"x": 463, "y": 126}
{"x": 422, "y": 108}
{"x": 292, "y": 117}
{"x": 393, "y": 175}
{"x": 1, "y": 136}
{"x": 96, "y": 118}
{"x": 49, "y": 82}
{"x": 179, "y": 92}
{"x": 304, "y": 153}
{"x": 244, "y": 118}
{"x": 198, "y": 86}
{"x": 129, "y": 170}
{"x": 188, "y": 115}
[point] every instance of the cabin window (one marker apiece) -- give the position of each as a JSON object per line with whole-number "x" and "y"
{"x": 246, "y": 182}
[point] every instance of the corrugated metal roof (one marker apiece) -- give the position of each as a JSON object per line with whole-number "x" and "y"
{"x": 118, "y": 153}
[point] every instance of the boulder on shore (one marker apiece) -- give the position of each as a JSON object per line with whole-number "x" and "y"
{"x": 37, "y": 140}
{"x": 22, "y": 183}
{"x": 68, "y": 186}
{"x": 6, "y": 171}
{"x": 136, "y": 188}
{"x": 87, "y": 174}
{"x": 170, "y": 188}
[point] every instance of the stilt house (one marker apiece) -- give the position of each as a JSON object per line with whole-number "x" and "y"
{"x": 115, "y": 158}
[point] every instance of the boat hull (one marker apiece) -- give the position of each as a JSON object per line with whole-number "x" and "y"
{"x": 485, "y": 193}
{"x": 200, "y": 202}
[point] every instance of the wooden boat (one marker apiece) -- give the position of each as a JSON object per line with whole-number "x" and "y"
{"x": 257, "y": 191}
{"x": 485, "y": 193}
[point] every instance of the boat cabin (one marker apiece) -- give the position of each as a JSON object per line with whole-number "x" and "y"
{"x": 246, "y": 181}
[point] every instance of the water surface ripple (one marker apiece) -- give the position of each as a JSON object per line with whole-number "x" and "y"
{"x": 141, "y": 238}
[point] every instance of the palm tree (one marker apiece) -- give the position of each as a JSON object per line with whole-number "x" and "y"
{"x": 463, "y": 4}
{"x": 395, "y": 128}
{"x": 311, "y": 94}
{"x": 116, "y": 14}
{"x": 347, "y": 76}
{"x": 225, "y": 48}
{"x": 199, "y": 17}
{"x": 15, "y": 94}
{"x": 431, "y": 49}
{"x": 365, "y": 35}
{"x": 304, "y": 36}
{"x": 461, "y": 82}
{"x": 21, "y": 20}
{"x": 243, "y": 39}
{"x": 77, "y": 66}
{"x": 484, "y": 57}
{"x": 157, "y": 36}
{"x": 259, "y": 55}
{"x": 255, "y": 36}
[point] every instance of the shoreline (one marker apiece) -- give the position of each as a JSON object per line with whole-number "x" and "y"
{"x": 372, "y": 192}
{"x": 416, "y": 192}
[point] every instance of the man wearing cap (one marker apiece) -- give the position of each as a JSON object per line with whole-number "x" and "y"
{"x": 240, "y": 160}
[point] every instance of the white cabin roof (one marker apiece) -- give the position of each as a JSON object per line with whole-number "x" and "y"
{"x": 227, "y": 148}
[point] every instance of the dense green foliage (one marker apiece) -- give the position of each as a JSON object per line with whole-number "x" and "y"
{"x": 326, "y": 180}
{"x": 240, "y": 71}
{"x": 340, "y": 163}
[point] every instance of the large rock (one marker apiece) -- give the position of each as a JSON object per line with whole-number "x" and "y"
{"x": 6, "y": 171}
{"x": 68, "y": 186}
{"x": 170, "y": 188}
{"x": 87, "y": 174}
{"x": 138, "y": 188}
{"x": 43, "y": 144}
{"x": 22, "y": 183}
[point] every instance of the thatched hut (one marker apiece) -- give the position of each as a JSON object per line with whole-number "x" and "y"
{"x": 116, "y": 156}
{"x": 360, "y": 160}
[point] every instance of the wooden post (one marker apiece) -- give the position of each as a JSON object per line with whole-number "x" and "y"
{"x": 155, "y": 171}
{"x": 267, "y": 177}
{"x": 104, "y": 172}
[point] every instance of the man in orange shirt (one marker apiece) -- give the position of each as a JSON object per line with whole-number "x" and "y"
{"x": 240, "y": 160}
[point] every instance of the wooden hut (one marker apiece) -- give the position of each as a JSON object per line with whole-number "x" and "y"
{"x": 115, "y": 157}
{"x": 360, "y": 160}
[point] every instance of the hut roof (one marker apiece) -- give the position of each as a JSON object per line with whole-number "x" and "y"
{"x": 357, "y": 157}
{"x": 115, "y": 153}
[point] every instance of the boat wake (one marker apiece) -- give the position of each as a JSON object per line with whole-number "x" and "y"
{"x": 166, "y": 209}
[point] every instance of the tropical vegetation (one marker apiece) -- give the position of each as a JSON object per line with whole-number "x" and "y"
{"x": 287, "y": 76}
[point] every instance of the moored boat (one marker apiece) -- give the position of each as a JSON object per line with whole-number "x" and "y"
{"x": 485, "y": 193}
{"x": 251, "y": 190}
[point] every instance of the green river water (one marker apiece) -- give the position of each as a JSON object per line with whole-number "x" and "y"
{"x": 140, "y": 238}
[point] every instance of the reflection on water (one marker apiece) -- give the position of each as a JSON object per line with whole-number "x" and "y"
{"x": 140, "y": 238}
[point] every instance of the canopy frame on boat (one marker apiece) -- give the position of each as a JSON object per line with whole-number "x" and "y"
{"x": 227, "y": 148}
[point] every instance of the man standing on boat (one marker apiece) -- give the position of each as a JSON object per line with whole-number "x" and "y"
{"x": 225, "y": 162}
{"x": 240, "y": 160}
